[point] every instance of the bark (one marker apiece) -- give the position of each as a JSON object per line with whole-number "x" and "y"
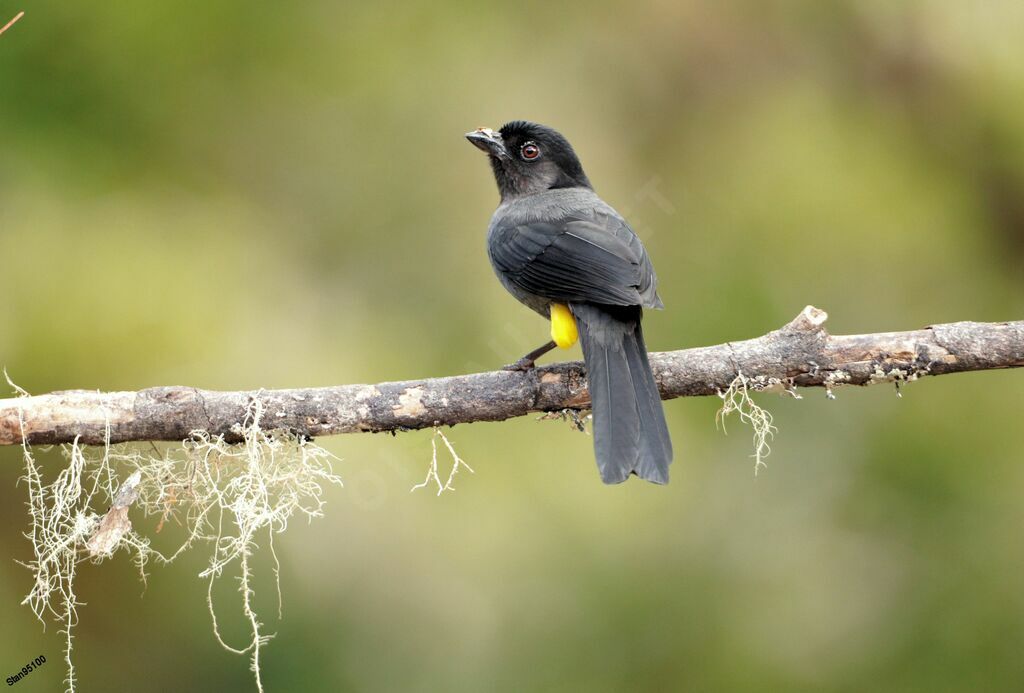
{"x": 800, "y": 354}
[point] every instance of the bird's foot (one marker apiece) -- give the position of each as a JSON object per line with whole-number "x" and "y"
{"x": 528, "y": 362}
{"x": 524, "y": 364}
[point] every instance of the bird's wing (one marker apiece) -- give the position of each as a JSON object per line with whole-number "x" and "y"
{"x": 592, "y": 259}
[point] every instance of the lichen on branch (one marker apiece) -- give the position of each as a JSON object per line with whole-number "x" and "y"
{"x": 223, "y": 494}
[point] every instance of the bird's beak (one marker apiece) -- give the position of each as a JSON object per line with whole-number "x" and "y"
{"x": 488, "y": 141}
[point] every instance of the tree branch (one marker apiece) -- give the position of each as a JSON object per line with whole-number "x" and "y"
{"x": 9, "y": 24}
{"x": 800, "y": 354}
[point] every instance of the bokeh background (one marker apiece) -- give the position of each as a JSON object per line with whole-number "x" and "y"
{"x": 240, "y": 195}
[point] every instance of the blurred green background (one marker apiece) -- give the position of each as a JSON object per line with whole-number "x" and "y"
{"x": 239, "y": 195}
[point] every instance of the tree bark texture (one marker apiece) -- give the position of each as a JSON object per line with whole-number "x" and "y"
{"x": 800, "y": 354}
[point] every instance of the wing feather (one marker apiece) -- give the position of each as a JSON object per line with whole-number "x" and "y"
{"x": 593, "y": 259}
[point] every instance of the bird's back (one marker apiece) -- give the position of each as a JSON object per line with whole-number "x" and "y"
{"x": 565, "y": 206}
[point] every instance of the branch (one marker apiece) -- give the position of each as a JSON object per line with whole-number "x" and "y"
{"x": 9, "y": 24}
{"x": 800, "y": 354}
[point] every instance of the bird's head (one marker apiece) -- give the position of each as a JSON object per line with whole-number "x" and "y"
{"x": 529, "y": 158}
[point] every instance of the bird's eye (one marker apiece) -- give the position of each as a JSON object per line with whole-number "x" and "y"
{"x": 530, "y": 151}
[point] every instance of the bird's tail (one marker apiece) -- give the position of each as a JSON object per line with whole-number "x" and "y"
{"x": 630, "y": 434}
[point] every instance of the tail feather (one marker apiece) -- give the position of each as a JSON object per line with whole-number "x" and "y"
{"x": 656, "y": 445}
{"x": 630, "y": 433}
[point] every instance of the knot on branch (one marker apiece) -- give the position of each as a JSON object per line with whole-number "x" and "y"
{"x": 810, "y": 319}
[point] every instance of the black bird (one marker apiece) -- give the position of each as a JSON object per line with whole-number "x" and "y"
{"x": 554, "y": 243}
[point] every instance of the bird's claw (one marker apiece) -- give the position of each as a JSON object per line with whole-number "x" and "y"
{"x": 522, "y": 365}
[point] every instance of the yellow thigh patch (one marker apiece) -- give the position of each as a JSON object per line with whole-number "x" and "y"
{"x": 563, "y": 326}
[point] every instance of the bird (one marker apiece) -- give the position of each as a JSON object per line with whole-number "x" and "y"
{"x": 565, "y": 253}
